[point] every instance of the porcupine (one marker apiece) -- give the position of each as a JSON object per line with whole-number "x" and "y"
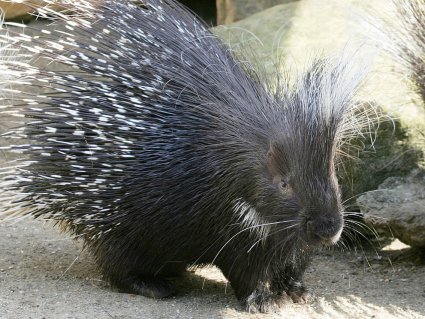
{"x": 162, "y": 150}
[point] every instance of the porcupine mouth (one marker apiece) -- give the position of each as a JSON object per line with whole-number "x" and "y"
{"x": 328, "y": 241}
{"x": 323, "y": 236}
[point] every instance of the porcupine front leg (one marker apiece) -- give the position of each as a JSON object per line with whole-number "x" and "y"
{"x": 255, "y": 293}
{"x": 252, "y": 284}
{"x": 270, "y": 295}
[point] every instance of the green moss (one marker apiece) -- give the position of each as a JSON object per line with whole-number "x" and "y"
{"x": 391, "y": 153}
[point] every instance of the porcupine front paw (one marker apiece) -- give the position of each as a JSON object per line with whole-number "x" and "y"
{"x": 269, "y": 302}
{"x": 147, "y": 286}
{"x": 301, "y": 296}
{"x": 295, "y": 290}
{"x": 265, "y": 301}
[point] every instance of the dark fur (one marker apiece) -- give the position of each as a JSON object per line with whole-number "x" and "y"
{"x": 216, "y": 166}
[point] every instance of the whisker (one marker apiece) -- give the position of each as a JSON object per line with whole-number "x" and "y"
{"x": 240, "y": 232}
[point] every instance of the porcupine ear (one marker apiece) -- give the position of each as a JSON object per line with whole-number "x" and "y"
{"x": 272, "y": 162}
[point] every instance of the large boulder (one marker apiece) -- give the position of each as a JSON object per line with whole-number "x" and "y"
{"x": 397, "y": 208}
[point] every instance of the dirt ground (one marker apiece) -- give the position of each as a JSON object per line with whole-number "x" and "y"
{"x": 43, "y": 274}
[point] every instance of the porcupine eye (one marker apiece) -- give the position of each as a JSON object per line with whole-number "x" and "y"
{"x": 283, "y": 186}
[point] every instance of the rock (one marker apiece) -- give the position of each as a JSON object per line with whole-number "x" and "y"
{"x": 21, "y": 12}
{"x": 397, "y": 208}
{"x": 14, "y": 10}
{"x": 229, "y": 11}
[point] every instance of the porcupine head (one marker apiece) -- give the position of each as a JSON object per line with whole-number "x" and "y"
{"x": 161, "y": 151}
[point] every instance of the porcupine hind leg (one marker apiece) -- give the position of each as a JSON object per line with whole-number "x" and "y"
{"x": 154, "y": 285}
{"x": 131, "y": 272}
{"x": 145, "y": 285}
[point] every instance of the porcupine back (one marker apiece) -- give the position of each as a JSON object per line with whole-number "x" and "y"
{"x": 157, "y": 123}
{"x": 135, "y": 85}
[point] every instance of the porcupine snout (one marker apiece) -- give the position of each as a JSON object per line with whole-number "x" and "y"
{"x": 325, "y": 229}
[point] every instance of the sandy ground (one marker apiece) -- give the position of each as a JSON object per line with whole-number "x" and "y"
{"x": 43, "y": 274}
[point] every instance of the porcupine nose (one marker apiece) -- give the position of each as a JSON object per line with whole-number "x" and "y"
{"x": 325, "y": 229}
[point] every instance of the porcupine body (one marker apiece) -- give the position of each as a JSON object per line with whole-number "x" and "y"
{"x": 161, "y": 150}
